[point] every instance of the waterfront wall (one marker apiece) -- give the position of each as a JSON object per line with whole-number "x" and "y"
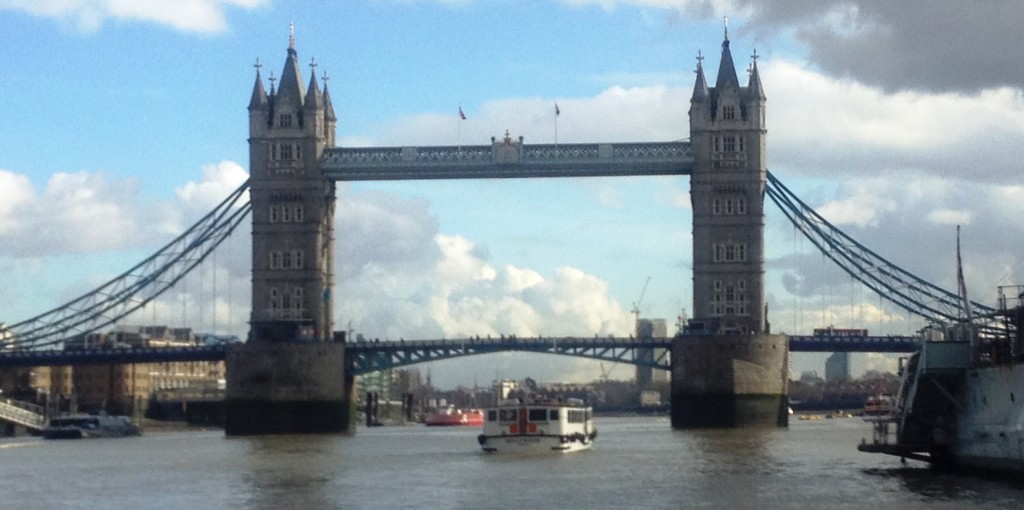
{"x": 286, "y": 388}
{"x": 730, "y": 381}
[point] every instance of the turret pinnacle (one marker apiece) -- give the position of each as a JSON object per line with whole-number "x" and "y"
{"x": 700, "y": 85}
{"x": 259, "y": 96}
{"x": 726, "y": 69}
{"x": 754, "y": 86}
{"x": 328, "y": 107}
{"x": 313, "y": 99}
{"x": 290, "y": 89}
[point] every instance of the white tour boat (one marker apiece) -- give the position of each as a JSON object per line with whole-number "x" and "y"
{"x": 79, "y": 426}
{"x": 531, "y": 426}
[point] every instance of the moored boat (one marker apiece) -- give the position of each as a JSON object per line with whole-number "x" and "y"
{"x": 878, "y": 406}
{"x": 451, "y": 416}
{"x": 80, "y": 426}
{"x": 957, "y": 401}
{"x": 534, "y": 426}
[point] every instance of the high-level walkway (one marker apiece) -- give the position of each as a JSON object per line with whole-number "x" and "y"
{"x": 507, "y": 159}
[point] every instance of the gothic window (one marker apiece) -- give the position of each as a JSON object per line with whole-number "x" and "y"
{"x": 273, "y": 152}
{"x": 286, "y": 260}
{"x": 741, "y": 284}
{"x": 275, "y": 302}
{"x": 742, "y": 149}
{"x": 286, "y": 214}
{"x": 286, "y": 301}
{"x": 274, "y": 213}
{"x": 297, "y": 259}
{"x": 298, "y": 151}
{"x": 728, "y": 112}
{"x": 297, "y": 216}
{"x": 741, "y": 206}
{"x": 728, "y": 252}
{"x": 275, "y": 260}
{"x": 297, "y": 302}
{"x": 717, "y": 147}
{"x": 729, "y": 144}
{"x": 285, "y": 120}
{"x": 286, "y": 152}
{"x": 729, "y": 206}
{"x": 716, "y": 207}
{"x": 718, "y": 284}
{"x": 730, "y": 293}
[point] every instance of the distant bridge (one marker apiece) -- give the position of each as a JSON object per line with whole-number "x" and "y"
{"x": 371, "y": 356}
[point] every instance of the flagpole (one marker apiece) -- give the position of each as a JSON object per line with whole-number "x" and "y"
{"x": 557, "y": 113}
{"x": 462, "y": 117}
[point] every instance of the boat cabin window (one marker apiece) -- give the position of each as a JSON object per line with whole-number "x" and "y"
{"x": 538, "y": 414}
{"x": 492, "y": 415}
{"x": 553, "y": 415}
{"x": 577, "y": 416}
{"x": 508, "y": 415}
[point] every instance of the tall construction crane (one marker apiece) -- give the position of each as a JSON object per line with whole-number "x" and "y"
{"x": 636, "y": 304}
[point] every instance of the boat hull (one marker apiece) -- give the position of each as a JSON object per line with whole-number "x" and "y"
{"x": 85, "y": 426}
{"x": 990, "y": 427}
{"x": 529, "y": 444}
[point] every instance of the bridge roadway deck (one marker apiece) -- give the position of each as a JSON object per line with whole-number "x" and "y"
{"x": 507, "y": 160}
{"x": 376, "y": 355}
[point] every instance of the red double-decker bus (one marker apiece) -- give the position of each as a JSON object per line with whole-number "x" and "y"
{"x": 830, "y": 331}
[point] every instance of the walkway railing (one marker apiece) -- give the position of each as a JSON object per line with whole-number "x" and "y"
{"x": 22, "y": 413}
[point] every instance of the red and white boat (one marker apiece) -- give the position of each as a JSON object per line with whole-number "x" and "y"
{"x": 450, "y": 416}
{"x": 534, "y": 426}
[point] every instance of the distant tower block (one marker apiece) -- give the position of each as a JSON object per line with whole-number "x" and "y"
{"x": 647, "y": 329}
{"x": 289, "y": 376}
{"x": 727, "y": 371}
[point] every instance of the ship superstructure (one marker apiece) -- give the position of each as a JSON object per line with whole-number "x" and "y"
{"x": 961, "y": 399}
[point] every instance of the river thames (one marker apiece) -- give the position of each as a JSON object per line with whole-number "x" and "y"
{"x": 635, "y": 463}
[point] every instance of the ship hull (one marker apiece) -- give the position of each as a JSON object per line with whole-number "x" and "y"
{"x": 990, "y": 428}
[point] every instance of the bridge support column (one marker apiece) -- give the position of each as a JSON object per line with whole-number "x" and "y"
{"x": 730, "y": 381}
{"x": 286, "y": 388}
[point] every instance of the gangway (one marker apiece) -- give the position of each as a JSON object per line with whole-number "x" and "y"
{"x": 27, "y": 415}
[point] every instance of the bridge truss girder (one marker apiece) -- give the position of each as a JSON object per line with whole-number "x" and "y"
{"x": 369, "y": 357}
{"x": 507, "y": 160}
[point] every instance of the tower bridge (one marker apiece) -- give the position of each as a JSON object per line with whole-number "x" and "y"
{"x": 733, "y": 372}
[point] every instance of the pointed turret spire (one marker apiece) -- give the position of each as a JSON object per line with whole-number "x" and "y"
{"x": 328, "y": 107}
{"x": 700, "y": 85}
{"x": 754, "y": 86}
{"x": 313, "y": 99}
{"x": 259, "y": 96}
{"x": 290, "y": 89}
{"x": 726, "y": 68}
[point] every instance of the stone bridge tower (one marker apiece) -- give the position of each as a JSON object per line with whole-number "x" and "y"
{"x": 728, "y": 370}
{"x": 292, "y": 208}
{"x": 727, "y": 130}
{"x": 289, "y": 377}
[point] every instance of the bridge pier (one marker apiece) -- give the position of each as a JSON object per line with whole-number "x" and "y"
{"x": 287, "y": 388}
{"x": 730, "y": 381}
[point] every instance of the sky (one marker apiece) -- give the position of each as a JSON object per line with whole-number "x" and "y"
{"x": 897, "y": 121}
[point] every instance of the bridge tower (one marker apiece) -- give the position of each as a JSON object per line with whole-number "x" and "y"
{"x": 289, "y": 377}
{"x": 292, "y": 207}
{"x": 728, "y": 370}
{"x": 727, "y": 132}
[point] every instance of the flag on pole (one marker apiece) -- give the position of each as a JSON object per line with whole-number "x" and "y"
{"x": 557, "y": 111}
{"x": 462, "y": 116}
